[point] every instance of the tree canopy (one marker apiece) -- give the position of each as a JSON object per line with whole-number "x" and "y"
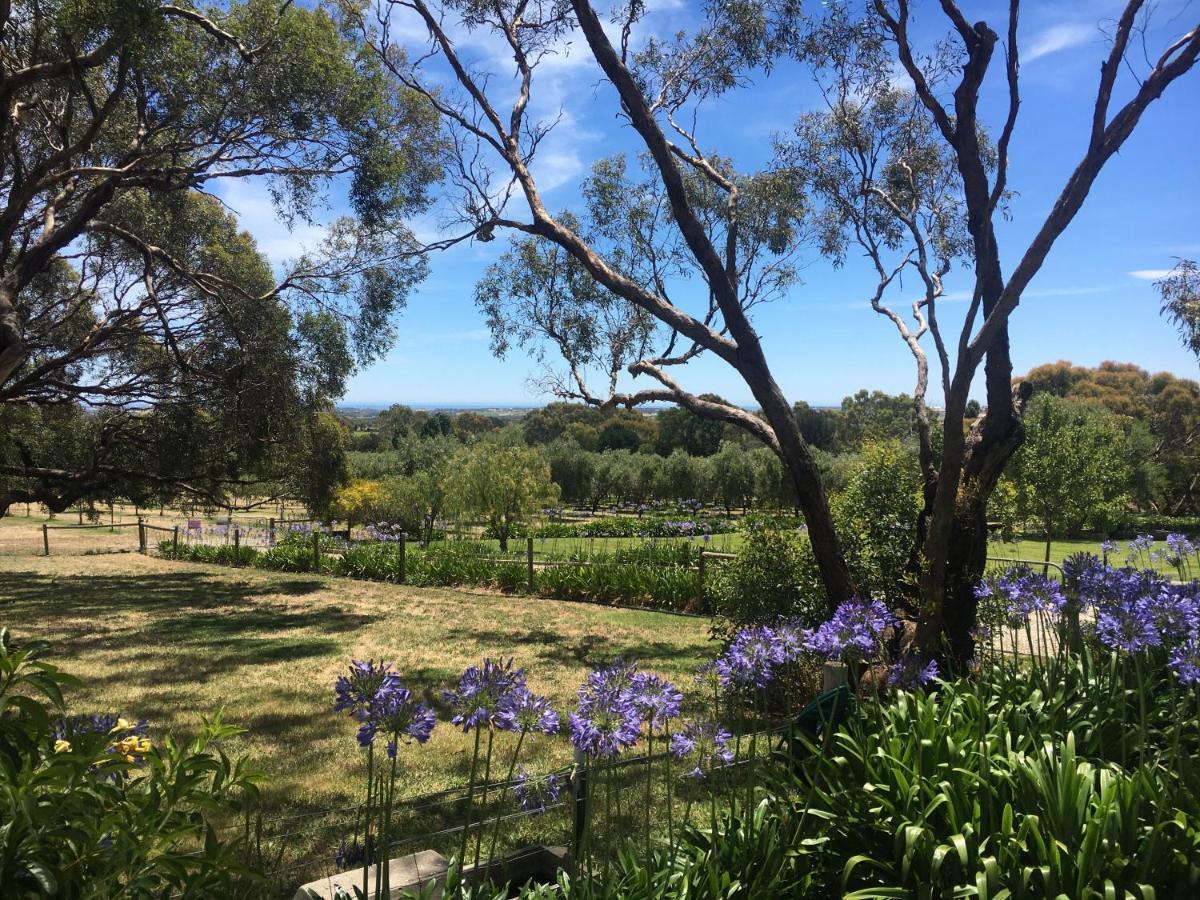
{"x": 126, "y": 289}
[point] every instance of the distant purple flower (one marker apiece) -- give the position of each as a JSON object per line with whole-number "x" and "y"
{"x": 536, "y": 794}
{"x": 1108, "y": 546}
{"x": 357, "y": 691}
{"x": 1185, "y": 660}
{"x": 523, "y": 711}
{"x": 705, "y": 742}
{"x": 908, "y": 673}
{"x": 397, "y": 715}
{"x": 854, "y": 631}
{"x": 656, "y": 700}
{"x": 480, "y": 691}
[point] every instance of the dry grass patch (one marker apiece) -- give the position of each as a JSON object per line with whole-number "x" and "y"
{"x": 171, "y": 642}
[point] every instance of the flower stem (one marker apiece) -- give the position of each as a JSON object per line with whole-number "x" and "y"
{"x": 487, "y": 777}
{"x": 512, "y": 767}
{"x": 462, "y": 850}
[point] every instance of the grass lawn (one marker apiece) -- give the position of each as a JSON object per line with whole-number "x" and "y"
{"x": 173, "y": 641}
{"x": 1060, "y": 550}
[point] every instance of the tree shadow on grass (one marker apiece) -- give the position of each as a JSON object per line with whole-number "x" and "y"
{"x": 189, "y": 626}
{"x": 588, "y": 650}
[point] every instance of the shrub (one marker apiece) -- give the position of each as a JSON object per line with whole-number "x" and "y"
{"x": 876, "y": 516}
{"x": 92, "y": 808}
{"x": 773, "y": 575}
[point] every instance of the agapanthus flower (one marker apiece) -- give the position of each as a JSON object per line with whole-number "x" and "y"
{"x": 606, "y": 721}
{"x": 655, "y": 699}
{"x": 477, "y": 701}
{"x": 1175, "y": 615}
{"x": 397, "y": 715}
{"x": 358, "y": 690}
{"x": 523, "y": 711}
{"x": 1026, "y": 593}
{"x": 908, "y": 673}
{"x": 1127, "y": 626}
{"x": 854, "y": 631}
{"x": 705, "y": 742}
{"x": 752, "y": 659}
{"x": 536, "y": 795}
{"x": 1185, "y": 660}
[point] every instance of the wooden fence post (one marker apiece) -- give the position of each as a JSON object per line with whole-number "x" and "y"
{"x": 46, "y": 537}
{"x": 237, "y": 544}
{"x": 529, "y": 560}
{"x": 271, "y": 533}
{"x": 175, "y": 542}
{"x": 834, "y": 675}
{"x": 402, "y": 549}
{"x": 141, "y": 536}
{"x": 700, "y": 578}
{"x": 316, "y": 551}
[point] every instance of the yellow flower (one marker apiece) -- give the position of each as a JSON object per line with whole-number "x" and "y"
{"x": 61, "y": 746}
{"x": 123, "y": 724}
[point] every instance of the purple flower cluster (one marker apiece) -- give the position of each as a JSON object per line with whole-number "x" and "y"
{"x": 656, "y": 700}
{"x": 1139, "y": 610}
{"x": 375, "y": 696}
{"x": 521, "y": 710}
{"x": 756, "y": 655}
{"x": 1185, "y": 660}
{"x": 606, "y": 721}
{"x": 705, "y": 742}
{"x": 536, "y": 795}
{"x": 357, "y": 691}
{"x": 482, "y": 691}
{"x": 907, "y": 673}
{"x": 1022, "y": 593}
{"x": 854, "y": 632}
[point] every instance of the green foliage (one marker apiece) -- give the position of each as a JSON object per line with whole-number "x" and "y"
{"x": 504, "y": 485}
{"x": 109, "y": 814}
{"x": 1004, "y": 786}
{"x": 681, "y": 430}
{"x": 773, "y": 575}
{"x": 876, "y": 516}
{"x": 731, "y": 477}
{"x": 1072, "y": 470}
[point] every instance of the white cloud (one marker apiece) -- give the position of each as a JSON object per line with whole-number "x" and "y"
{"x": 257, "y": 214}
{"x": 1150, "y": 274}
{"x": 1058, "y": 37}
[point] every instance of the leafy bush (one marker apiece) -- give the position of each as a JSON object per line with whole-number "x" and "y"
{"x": 876, "y": 516}
{"x": 773, "y": 575}
{"x": 91, "y": 808}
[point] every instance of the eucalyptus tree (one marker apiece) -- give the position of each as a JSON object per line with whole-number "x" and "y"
{"x": 606, "y": 287}
{"x": 1181, "y": 301}
{"x": 126, "y": 290}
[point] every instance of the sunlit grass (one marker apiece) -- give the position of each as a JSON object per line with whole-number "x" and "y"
{"x": 171, "y": 642}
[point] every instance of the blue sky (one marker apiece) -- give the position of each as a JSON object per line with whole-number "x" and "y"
{"x": 1094, "y": 299}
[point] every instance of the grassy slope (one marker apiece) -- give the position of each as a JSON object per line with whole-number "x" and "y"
{"x": 171, "y": 642}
